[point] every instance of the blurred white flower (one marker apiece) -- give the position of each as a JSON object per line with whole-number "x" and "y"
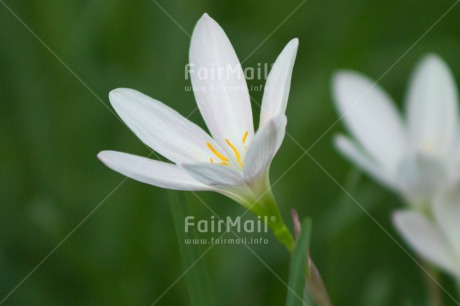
{"x": 235, "y": 161}
{"x": 436, "y": 237}
{"x": 415, "y": 156}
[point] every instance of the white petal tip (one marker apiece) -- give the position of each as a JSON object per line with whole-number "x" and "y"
{"x": 343, "y": 144}
{"x": 342, "y": 77}
{"x": 102, "y": 156}
{"x": 294, "y": 43}
{"x": 116, "y": 94}
{"x": 347, "y": 85}
{"x": 291, "y": 48}
{"x": 112, "y": 94}
{"x": 432, "y": 59}
{"x": 206, "y": 20}
{"x": 397, "y": 217}
{"x": 339, "y": 140}
{"x": 403, "y": 219}
{"x": 432, "y": 63}
{"x": 338, "y": 81}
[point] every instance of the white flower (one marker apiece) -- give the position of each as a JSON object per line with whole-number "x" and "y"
{"x": 416, "y": 156}
{"x": 435, "y": 238}
{"x": 233, "y": 161}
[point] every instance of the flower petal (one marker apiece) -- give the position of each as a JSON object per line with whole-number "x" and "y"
{"x": 162, "y": 128}
{"x": 432, "y": 107}
{"x": 224, "y": 180}
{"x": 371, "y": 117}
{"x": 142, "y": 169}
{"x": 356, "y": 155}
{"x": 219, "y": 85}
{"x": 419, "y": 177}
{"x": 262, "y": 150}
{"x": 447, "y": 213}
{"x": 214, "y": 174}
{"x": 276, "y": 90}
{"x": 425, "y": 238}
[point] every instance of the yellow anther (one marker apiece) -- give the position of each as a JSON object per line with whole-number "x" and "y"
{"x": 237, "y": 154}
{"x": 245, "y": 136}
{"x": 211, "y": 160}
{"x": 222, "y": 157}
{"x": 224, "y": 163}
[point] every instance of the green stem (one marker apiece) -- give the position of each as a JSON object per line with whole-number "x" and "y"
{"x": 284, "y": 236}
{"x": 266, "y": 208}
{"x": 275, "y": 221}
{"x": 458, "y": 286}
{"x": 433, "y": 290}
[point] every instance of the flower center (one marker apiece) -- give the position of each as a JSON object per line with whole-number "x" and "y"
{"x": 224, "y": 160}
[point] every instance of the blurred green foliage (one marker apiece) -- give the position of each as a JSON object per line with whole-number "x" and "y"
{"x": 126, "y": 252}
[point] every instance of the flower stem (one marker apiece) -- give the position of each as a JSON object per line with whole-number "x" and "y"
{"x": 458, "y": 287}
{"x": 433, "y": 290}
{"x": 266, "y": 208}
{"x": 284, "y": 236}
{"x": 276, "y": 222}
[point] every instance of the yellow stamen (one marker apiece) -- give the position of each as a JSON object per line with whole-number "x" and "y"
{"x": 244, "y": 137}
{"x": 224, "y": 163}
{"x": 211, "y": 160}
{"x": 222, "y": 157}
{"x": 237, "y": 154}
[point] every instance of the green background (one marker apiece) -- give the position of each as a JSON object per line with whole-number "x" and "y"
{"x": 126, "y": 253}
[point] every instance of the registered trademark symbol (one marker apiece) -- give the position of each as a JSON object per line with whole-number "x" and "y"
{"x": 272, "y": 218}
